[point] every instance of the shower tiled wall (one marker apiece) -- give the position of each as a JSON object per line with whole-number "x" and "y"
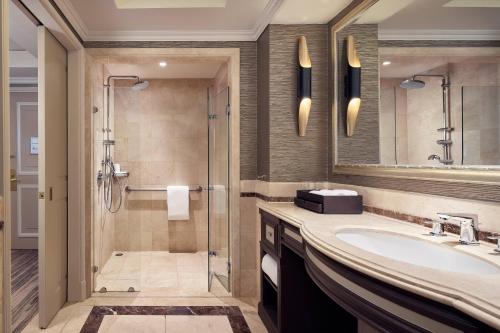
{"x": 161, "y": 139}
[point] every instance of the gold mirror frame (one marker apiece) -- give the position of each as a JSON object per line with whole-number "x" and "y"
{"x": 486, "y": 176}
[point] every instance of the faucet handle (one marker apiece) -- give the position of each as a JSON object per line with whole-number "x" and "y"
{"x": 437, "y": 228}
{"x": 497, "y": 238}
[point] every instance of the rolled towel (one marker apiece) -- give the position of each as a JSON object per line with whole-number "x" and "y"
{"x": 328, "y": 193}
{"x": 178, "y": 202}
{"x": 270, "y": 268}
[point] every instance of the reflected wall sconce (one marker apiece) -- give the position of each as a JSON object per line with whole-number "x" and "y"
{"x": 352, "y": 86}
{"x": 303, "y": 85}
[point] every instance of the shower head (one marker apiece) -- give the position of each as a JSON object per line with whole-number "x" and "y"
{"x": 140, "y": 85}
{"x": 412, "y": 84}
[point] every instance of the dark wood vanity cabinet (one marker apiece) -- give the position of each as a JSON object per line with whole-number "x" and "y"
{"x": 317, "y": 294}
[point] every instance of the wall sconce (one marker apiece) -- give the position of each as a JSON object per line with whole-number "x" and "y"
{"x": 352, "y": 86}
{"x": 303, "y": 85}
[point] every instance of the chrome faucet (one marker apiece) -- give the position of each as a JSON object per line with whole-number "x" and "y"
{"x": 469, "y": 226}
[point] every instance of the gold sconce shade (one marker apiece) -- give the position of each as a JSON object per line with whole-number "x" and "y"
{"x": 303, "y": 85}
{"x": 353, "y": 86}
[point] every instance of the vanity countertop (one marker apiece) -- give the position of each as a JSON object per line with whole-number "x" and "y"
{"x": 475, "y": 295}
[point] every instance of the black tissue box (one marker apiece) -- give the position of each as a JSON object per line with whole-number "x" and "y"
{"x": 329, "y": 204}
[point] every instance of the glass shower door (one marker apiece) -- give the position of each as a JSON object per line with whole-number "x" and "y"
{"x": 219, "y": 257}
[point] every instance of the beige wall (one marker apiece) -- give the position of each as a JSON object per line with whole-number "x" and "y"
{"x": 161, "y": 139}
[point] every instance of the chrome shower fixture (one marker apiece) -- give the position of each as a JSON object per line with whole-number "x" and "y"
{"x": 446, "y": 141}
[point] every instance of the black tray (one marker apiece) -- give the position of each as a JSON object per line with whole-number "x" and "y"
{"x": 329, "y": 204}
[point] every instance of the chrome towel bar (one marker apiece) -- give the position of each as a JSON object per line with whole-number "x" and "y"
{"x": 129, "y": 189}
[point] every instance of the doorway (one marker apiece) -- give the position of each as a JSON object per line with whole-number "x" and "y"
{"x": 159, "y": 123}
{"x": 23, "y": 95}
{"x": 35, "y": 156}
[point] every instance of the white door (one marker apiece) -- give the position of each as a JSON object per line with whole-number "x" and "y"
{"x": 24, "y": 170}
{"x": 53, "y": 171}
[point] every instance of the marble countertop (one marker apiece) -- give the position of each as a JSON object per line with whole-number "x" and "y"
{"x": 475, "y": 295}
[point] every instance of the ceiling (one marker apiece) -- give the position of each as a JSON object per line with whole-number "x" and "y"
{"x": 177, "y": 68}
{"x": 435, "y": 19}
{"x": 308, "y": 11}
{"x": 238, "y": 20}
{"x": 406, "y": 66}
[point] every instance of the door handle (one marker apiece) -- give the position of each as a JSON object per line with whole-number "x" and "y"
{"x": 13, "y": 180}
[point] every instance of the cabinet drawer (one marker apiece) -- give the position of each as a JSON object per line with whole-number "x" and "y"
{"x": 290, "y": 236}
{"x": 269, "y": 230}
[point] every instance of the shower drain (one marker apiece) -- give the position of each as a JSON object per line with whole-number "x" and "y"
{"x": 119, "y": 254}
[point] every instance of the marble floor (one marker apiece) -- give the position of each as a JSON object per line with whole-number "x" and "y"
{"x": 158, "y": 273}
{"x": 72, "y": 317}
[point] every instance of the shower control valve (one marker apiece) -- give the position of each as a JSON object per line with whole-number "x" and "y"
{"x": 100, "y": 177}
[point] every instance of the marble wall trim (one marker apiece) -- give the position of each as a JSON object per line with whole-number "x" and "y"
{"x": 460, "y": 190}
{"x": 448, "y": 227}
{"x": 233, "y": 313}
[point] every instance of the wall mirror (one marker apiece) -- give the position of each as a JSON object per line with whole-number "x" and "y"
{"x": 430, "y": 86}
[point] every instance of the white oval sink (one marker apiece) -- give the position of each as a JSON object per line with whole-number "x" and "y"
{"x": 416, "y": 252}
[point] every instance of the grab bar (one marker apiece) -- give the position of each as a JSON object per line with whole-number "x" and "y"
{"x": 129, "y": 189}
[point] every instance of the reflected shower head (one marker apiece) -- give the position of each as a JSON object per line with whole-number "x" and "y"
{"x": 412, "y": 84}
{"x": 140, "y": 85}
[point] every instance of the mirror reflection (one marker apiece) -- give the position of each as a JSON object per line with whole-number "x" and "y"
{"x": 430, "y": 85}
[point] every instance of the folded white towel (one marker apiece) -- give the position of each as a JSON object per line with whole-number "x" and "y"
{"x": 270, "y": 267}
{"x": 328, "y": 193}
{"x": 178, "y": 202}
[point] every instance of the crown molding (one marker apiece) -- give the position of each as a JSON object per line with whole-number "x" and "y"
{"x": 73, "y": 17}
{"x": 23, "y": 80}
{"x": 14, "y": 89}
{"x": 253, "y": 34}
{"x": 438, "y": 34}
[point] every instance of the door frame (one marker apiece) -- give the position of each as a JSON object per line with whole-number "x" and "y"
{"x": 51, "y": 19}
{"x": 232, "y": 57}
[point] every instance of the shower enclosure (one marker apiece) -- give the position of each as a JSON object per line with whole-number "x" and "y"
{"x": 172, "y": 132}
{"x": 219, "y": 263}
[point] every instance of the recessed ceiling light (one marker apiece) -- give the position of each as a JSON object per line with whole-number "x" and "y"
{"x": 148, "y": 4}
{"x": 386, "y": 63}
{"x": 162, "y": 64}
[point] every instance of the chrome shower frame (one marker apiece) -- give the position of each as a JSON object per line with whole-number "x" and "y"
{"x": 446, "y": 141}
{"x": 108, "y": 173}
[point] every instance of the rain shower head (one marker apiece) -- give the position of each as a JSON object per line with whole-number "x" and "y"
{"x": 140, "y": 85}
{"x": 412, "y": 84}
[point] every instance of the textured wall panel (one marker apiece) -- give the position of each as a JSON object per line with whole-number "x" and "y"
{"x": 294, "y": 158}
{"x": 248, "y": 90}
{"x": 263, "y": 105}
{"x": 363, "y": 146}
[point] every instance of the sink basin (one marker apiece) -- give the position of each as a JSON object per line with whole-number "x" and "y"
{"x": 416, "y": 252}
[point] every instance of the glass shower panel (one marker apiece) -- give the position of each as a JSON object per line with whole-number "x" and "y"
{"x": 218, "y": 195}
{"x": 480, "y": 125}
{"x": 118, "y": 251}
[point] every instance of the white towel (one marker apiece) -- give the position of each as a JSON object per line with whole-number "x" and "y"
{"x": 220, "y": 200}
{"x": 270, "y": 267}
{"x": 178, "y": 202}
{"x": 328, "y": 193}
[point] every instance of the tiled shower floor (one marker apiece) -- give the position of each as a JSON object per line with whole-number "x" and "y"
{"x": 158, "y": 273}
